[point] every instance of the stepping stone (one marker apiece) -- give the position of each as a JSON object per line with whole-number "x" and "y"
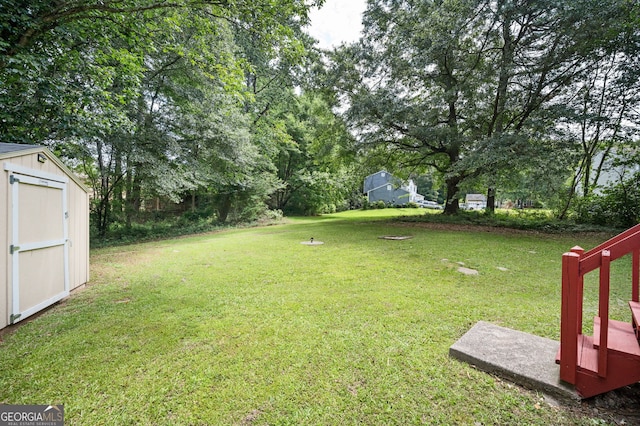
{"x": 467, "y": 271}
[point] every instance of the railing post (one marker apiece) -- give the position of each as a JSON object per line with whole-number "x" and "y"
{"x": 603, "y": 311}
{"x": 580, "y": 296}
{"x": 571, "y": 316}
{"x": 635, "y": 274}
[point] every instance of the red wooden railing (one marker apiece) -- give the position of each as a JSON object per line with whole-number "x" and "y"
{"x": 575, "y": 265}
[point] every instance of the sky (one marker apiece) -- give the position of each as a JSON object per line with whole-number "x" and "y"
{"x": 337, "y": 21}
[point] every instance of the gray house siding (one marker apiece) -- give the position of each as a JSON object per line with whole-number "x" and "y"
{"x": 378, "y": 180}
{"x": 389, "y": 195}
{"x": 382, "y": 186}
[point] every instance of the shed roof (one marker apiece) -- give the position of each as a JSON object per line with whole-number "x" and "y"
{"x": 13, "y": 147}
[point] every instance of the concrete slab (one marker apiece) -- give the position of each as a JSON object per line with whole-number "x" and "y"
{"x": 522, "y": 358}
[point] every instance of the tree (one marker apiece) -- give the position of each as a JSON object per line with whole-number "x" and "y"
{"x": 54, "y": 55}
{"x": 312, "y": 156}
{"x": 469, "y": 87}
{"x": 169, "y": 112}
{"x": 602, "y": 122}
{"x": 148, "y": 95}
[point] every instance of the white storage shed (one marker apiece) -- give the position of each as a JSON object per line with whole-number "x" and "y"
{"x": 44, "y": 231}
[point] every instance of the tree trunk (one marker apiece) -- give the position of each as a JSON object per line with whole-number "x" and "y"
{"x": 224, "y": 207}
{"x": 497, "y": 125}
{"x": 452, "y": 205}
{"x": 133, "y": 203}
{"x": 103, "y": 215}
{"x": 491, "y": 200}
{"x": 103, "y": 192}
{"x": 586, "y": 180}
{"x": 117, "y": 205}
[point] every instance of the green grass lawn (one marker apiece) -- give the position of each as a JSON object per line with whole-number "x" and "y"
{"x": 252, "y": 327}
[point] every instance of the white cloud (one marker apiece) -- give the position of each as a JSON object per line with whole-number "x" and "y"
{"x": 337, "y": 21}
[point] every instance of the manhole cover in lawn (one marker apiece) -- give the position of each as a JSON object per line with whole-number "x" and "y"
{"x": 396, "y": 237}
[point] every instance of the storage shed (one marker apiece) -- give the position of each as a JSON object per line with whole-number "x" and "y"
{"x": 44, "y": 231}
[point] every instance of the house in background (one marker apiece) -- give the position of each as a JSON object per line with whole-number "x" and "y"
{"x": 475, "y": 202}
{"x": 382, "y": 186}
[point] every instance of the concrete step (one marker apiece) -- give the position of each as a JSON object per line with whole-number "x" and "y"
{"x": 522, "y": 358}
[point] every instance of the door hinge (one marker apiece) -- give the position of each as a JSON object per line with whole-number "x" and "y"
{"x": 13, "y": 249}
{"x": 13, "y": 179}
{"x": 14, "y": 317}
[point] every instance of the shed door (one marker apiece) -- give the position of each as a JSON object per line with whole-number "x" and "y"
{"x": 39, "y": 248}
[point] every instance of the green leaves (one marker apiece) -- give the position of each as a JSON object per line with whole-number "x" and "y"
{"x": 310, "y": 151}
{"x": 150, "y": 96}
{"x": 470, "y": 87}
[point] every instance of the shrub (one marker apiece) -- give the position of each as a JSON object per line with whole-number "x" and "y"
{"x": 531, "y": 220}
{"x": 271, "y": 216}
{"x": 328, "y": 208}
{"x": 618, "y": 206}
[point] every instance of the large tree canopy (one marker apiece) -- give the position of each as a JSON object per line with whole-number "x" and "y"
{"x": 472, "y": 87}
{"x": 56, "y": 55}
{"x": 151, "y": 98}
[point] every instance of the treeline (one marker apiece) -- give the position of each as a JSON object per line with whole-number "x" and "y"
{"x": 204, "y": 104}
{"x": 226, "y": 110}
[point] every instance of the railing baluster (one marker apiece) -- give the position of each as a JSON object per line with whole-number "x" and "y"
{"x": 635, "y": 274}
{"x": 603, "y": 311}
{"x": 580, "y": 289}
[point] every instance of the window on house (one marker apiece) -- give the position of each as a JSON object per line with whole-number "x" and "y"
{"x": 383, "y": 174}
{"x": 388, "y": 187}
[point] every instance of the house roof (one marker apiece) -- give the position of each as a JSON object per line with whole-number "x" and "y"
{"x": 377, "y": 173}
{"x": 7, "y": 150}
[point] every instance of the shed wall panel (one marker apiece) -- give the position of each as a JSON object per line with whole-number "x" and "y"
{"x": 34, "y": 201}
{"x": 5, "y": 261}
{"x": 48, "y": 273}
{"x": 78, "y": 200}
{"x": 78, "y": 236}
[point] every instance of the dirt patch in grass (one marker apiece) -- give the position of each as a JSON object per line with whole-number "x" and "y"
{"x": 618, "y": 407}
{"x": 250, "y": 418}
